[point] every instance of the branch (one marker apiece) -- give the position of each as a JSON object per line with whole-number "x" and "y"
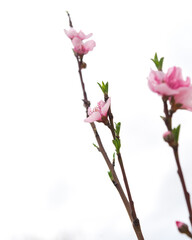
{"x": 120, "y": 160}
{"x": 168, "y": 123}
{"x": 129, "y": 206}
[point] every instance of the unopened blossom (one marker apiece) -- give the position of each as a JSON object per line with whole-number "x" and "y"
{"x": 167, "y": 134}
{"x": 179, "y": 224}
{"x": 99, "y": 113}
{"x": 183, "y": 228}
{"x": 71, "y": 33}
{"x": 82, "y": 48}
{"x": 168, "y": 137}
{"x": 168, "y": 84}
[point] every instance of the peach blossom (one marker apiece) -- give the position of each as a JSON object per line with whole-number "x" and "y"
{"x": 99, "y": 113}
{"x": 82, "y": 48}
{"x": 168, "y": 84}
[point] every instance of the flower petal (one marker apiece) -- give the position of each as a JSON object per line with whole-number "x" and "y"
{"x": 164, "y": 90}
{"x": 105, "y": 108}
{"x": 95, "y": 116}
{"x": 174, "y": 78}
{"x": 71, "y": 33}
{"x": 76, "y": 42}
{"x": 82, "y": 35}
{"x": 89, "y": 45}
{"x": 185, "y": 98}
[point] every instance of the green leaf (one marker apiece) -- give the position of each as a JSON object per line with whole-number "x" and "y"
{"x": 113, "y": 159}
{"x": 158, "y": 63}
{"x": 163, "y": 118}
{"x": 175, "y": 132}
{"x": 111, "y": 175}
{"x": 161, "y": 64}
{"x": 117, "y": 144}
{"x": 96, "y": 147}
{"x": 104, "y": 87}
{"x": 100, "y": 86}
{"x": 117, "y": 128}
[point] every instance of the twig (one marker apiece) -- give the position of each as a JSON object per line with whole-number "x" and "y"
{"x": 120, "y": 160}
{"x": 168, "y": 123}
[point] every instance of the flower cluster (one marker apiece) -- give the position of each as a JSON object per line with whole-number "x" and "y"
{"x": 77, "y": 38}
{"x": 171, "y": 84}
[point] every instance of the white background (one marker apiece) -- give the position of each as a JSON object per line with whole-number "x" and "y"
{"x": 53, "y": 183}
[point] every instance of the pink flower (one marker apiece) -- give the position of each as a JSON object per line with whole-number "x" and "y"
{"x": 82, "y": 48}
{"x": 168, "y": 84}
{"x": 185, "y": 98}
{"x": 99, "y": 113}
{"x": 71, "y": 33}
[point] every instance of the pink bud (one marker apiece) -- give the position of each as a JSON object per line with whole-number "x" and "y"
{"x": 166, "y": 134}
{"x": 179, "y": 224}
{"x": 183, "y": 228}
{"x": 168, "y": 137}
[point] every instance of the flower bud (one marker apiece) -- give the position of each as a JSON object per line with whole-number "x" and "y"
{"x": 83, "y": 65}
{"x": 183, "y": 228}
{"x": 168, "y": 137}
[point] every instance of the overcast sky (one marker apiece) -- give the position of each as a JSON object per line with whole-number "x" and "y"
{"x": 53, "y": 183}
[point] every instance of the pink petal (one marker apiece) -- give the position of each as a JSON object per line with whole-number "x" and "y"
{"x": 164, "y": 90}
{"x": 185, "y": 98}
{"x": 82, "y": 35}
{"x": 105, "y": 108}
{"x": 76, "y": 42}
{"x": 174, "y": 78}
{"x": 89, "y": 111}
{"x": 100, "y": 104}
{"x": 89, "y": 45}
{"x": 95, "y": 116}
{"x": 71, "y": 33}
{"x": 156, "y": 76}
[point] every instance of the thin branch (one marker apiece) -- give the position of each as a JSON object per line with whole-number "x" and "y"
{"x": 70, "y": 22}
{"x": 117, "y": 184}
{"x": 168, "y": 123}
{"x": 180, "y": 173}
{"x": 85, "y": 100}
{"x": 120, "y": 160}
